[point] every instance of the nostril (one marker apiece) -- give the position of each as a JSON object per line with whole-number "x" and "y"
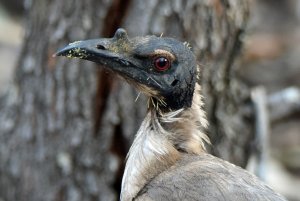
{"x": 174, "y": 82}
{"x": 100, "y": 47}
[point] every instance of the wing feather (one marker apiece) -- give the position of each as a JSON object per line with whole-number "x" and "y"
{"x": 206, "y": 178}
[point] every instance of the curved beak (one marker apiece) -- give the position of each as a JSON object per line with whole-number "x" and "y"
{"x": 111, "y": 53}
{"x": 115, "y": 54}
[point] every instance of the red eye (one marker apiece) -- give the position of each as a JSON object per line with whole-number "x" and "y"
{"x": 161, "y": 63}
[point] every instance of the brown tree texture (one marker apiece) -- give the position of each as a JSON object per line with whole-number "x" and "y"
{"x": 66, "y": 126}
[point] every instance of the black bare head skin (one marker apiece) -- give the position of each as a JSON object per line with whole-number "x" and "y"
{"x": 162, "y": 68}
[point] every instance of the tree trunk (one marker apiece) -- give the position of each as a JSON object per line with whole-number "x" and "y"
{"x": 66, "y": 126}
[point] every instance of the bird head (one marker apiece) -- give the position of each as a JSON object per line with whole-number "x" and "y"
{"x": 162, "y": 68}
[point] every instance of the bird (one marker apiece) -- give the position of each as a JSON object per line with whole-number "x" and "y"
{"x": 168, "y": 160}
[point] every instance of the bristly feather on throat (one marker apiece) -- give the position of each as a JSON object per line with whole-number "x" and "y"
{"x": 161, "y": 140}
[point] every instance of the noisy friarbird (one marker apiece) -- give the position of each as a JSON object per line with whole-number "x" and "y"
{"x": 168, "y": 160}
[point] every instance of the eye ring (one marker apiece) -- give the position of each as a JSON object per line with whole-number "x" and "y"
{"x": 161, "y": 63}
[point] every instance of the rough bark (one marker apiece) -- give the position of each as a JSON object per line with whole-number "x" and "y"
{"x": 66, "y": 126}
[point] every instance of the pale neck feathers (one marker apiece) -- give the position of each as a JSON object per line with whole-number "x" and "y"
{"x": 159, "y": 143}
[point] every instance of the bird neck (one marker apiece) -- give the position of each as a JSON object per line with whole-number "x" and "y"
{"x": 160, "y": 142}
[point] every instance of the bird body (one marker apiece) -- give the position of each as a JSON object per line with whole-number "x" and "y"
{"x": 167, "y": 160}
{"x": 205, "y": 178}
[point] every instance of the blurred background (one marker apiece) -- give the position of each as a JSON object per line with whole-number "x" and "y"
{"x": 11, "y": 35}
{"x": 270, "y": 60}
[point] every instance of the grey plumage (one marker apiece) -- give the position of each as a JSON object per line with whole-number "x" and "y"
{"x": 206, "y": 178}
